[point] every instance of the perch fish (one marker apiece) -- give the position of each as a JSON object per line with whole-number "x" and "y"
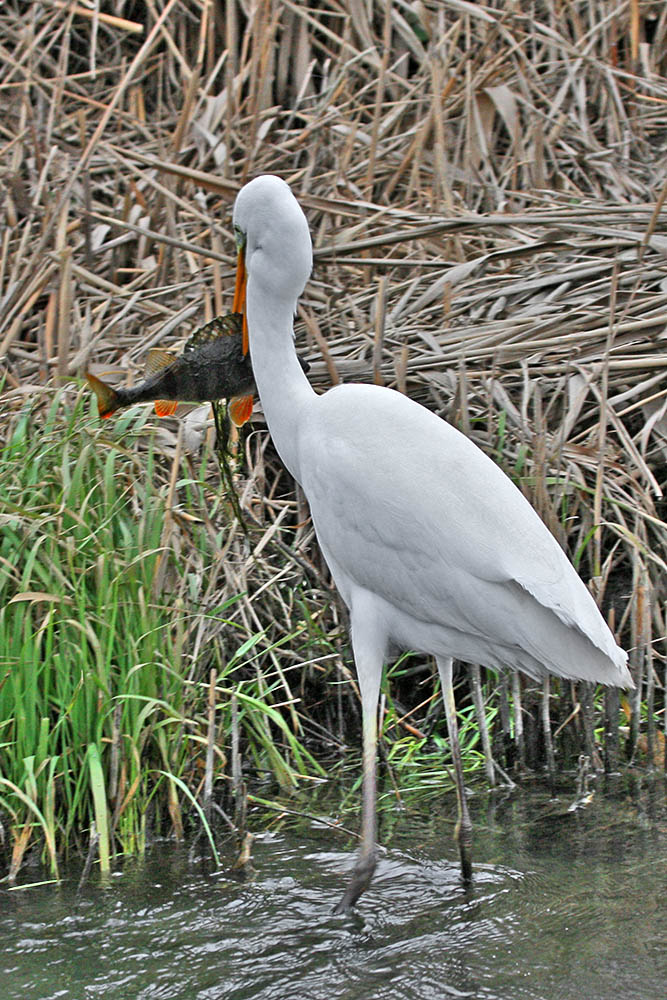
{"x": 211, "y": 366}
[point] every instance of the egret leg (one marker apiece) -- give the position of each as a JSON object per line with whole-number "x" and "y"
{"x": 463, "y": 831}
{"x": 369, "y": 657}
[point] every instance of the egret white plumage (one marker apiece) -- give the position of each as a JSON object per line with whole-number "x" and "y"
{"x": 430, "y": 544}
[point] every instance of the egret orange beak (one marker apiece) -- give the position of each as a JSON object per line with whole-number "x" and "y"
{"x": 239, "y": 295}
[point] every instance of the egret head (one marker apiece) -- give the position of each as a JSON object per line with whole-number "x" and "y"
{"x": 273, "y": 240}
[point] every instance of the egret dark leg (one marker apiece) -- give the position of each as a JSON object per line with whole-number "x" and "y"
{"x": 369, "y": 670}
{"x": 463, "y": 832}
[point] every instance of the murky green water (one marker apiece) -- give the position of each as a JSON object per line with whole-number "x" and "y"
{"x": 565, "y": 906}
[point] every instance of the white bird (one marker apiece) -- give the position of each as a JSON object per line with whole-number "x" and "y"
{"x": 430, "y": 544}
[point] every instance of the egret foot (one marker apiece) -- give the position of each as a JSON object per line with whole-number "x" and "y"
{"x": 361, "y": 879}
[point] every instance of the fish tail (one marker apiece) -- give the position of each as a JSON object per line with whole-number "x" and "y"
{"x": 108, "y": 399}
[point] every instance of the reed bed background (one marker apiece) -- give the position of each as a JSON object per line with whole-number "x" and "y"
{"x": 485, "y": 185}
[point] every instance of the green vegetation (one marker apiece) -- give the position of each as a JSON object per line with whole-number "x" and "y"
{"x": 486, "y": 194}
{"x": 102, "y": 718}
{"x": 110, "y": 628}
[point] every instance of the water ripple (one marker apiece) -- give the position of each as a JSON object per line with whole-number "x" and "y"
{"x": 541, "y": 922}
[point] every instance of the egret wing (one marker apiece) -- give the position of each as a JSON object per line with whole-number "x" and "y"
{"x": 436, "y": 528}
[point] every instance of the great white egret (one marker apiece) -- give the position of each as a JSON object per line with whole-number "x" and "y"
{"x": 430, "y": 544}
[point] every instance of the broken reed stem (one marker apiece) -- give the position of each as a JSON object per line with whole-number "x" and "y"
{"x": 480, "y": 715}
{"x": 638, "y": 618}
{"x": 379, "y": 99}
{"x": 585, "y": 691}
{"x": 612, "y": 704}
{"x": 90, "y": 856}
{"x": 210, "y": 745}
{"x": 647, "y": 655}
{"x": 661, "y": 620}
{"x": 115, "y": 752}
{"x": 238, "y": 789}
{"x": 121, "y": 23}
{"x": 602, "y": 432}
{"x": 518, "y": 721}
{"x": 168, "y": 526}
{"x": 505, "y": 723}
{"x": 64, "y": 308}
{"x": 381, "y": 307}
{"x": 546, "y": 727}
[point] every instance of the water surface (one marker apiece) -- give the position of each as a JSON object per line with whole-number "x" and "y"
{"x": 565, "y": 905}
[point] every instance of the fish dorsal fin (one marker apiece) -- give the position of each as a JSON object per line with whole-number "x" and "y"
{"x": 228, "y": 325}
{"x": 240, "y": 409}
{"x": 157, "y": 360}
{"x": 165, "y": 407}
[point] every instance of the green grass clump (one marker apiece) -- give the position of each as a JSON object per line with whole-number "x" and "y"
{"x": 90, "y": 665}
{"x": 102, "y": 713}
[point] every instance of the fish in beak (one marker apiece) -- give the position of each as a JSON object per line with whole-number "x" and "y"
{"x": 211, "y": 367}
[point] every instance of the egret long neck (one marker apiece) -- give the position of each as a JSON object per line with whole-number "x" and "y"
{"x": 281, "y": 383}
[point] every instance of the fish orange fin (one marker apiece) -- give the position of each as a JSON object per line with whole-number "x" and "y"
{"x": 157, "y": 360}
{"x": 107, "y": 398}
{"x": 240, "y": 409}
{"x": 165, "y": 407}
